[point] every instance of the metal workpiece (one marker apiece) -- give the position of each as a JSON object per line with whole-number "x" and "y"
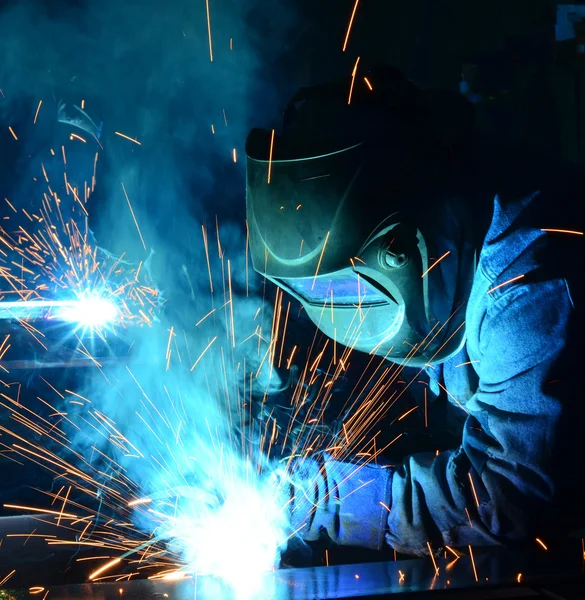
{"x": 499, "y": 575}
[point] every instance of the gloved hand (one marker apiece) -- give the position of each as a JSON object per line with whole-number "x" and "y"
{"x": 350, "y": 501}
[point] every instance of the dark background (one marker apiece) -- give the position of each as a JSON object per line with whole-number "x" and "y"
{"x": 526, "y": 80}
{"x": 143, "y": 68}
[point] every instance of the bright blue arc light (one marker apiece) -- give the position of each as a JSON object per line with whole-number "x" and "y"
{"x": 92, "y": 311}
{"x": 86, "y": 311}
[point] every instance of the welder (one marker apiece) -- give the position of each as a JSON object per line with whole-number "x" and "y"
{"x": 459, "y": 264}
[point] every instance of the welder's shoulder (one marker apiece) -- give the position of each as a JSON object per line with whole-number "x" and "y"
{"x": 536, "y": 266}
{"x": 530, "y": 315}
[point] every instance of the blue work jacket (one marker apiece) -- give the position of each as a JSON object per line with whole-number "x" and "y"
{"x": 519, "y": 472}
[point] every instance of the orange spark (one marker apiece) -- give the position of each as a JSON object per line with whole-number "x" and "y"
{"x": 563, "y": 231}
{"x": 284, "y": 329}
{"x": 320, "y": 259}
{"x": 205, "y": 317}
{"x": 63, "y": 507}
{"x": 134, "y": 217}
{"x": 290, "y": 358}
{"x": 469, "y": 362}
{"x": 74, "y": 136}
{"x": 8, "y": 577}
{"x": 386, "y": 507}
{"x": 368, "y": 83}
{"x": 519, "y": 578}
{"x": 436, "y": 263}
{"x": 353, "y": 79}
{"x": 78, "y": 395}
{"x": 94, "y": 171}
{"x": 209, "y": 30}
{"x": 174, "y": 575}
{"x": 41, "y": 510}
{"x": 350, "y": 24}
{"x": 169, "y": 351}
{"x": 270, "y": 156}
{"x": 505, "y": 283}
{"x": 202, "y": 354}
{"x": 453, "y": 397}
{"x": 12, "y": 132}
{"x": 140, "y": 501}
{"x": 432, "y": 557}
{"x": 231, "y": 304}
{"x": 37, "y": 113}
{"x": 234, "y": 155}
{"x": 127, "y": 137}
{"x": 541, "y": 543}
{"x": 473, "y": 488}
{"x": 82, "y": 104}
{"x": 206, "y": 246}
{"x": 473, "y": 563}
{"x": 104, "y": 568}
{"x": 407, "y": 413}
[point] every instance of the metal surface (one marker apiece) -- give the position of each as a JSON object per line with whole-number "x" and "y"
{"x": 61, "y": 346}
{"x": 344, "y": 581}
{"x": 495, "y": 575}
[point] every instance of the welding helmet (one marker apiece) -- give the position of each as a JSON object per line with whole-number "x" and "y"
{"x": 348, "y": 212}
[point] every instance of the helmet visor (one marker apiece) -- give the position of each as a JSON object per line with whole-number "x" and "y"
{"x": 342, "y": 288}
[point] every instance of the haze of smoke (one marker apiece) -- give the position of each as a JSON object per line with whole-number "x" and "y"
{"x": 144, "y": 69}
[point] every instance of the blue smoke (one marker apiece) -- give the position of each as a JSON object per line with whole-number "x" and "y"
{"x": 165, "y": 435}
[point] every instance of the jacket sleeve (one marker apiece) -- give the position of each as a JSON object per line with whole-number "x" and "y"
{"x": 349, "y": 501}
{"x": 499, "y": 485}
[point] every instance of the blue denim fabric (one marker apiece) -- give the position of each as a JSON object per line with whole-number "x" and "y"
{"x": 342, "y": 498}
{"x": 521, "y": 444}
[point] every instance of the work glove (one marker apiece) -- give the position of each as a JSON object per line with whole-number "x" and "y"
{"x": 348, "y": 501}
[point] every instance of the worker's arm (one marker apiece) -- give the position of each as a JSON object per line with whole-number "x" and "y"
{"x": 499, "y": 485}
{"x": 518, "y": 421}
{"x": 349, "y": 501}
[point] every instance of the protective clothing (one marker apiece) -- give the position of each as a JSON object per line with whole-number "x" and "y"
{"x": 342, "y": 211}
{"x": 319, "y": 487}
{"x": 517, "y": 474}
{"x": 341, "y": 217}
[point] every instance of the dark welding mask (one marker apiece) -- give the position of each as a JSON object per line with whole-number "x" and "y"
{"x": 339, "y": 215}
